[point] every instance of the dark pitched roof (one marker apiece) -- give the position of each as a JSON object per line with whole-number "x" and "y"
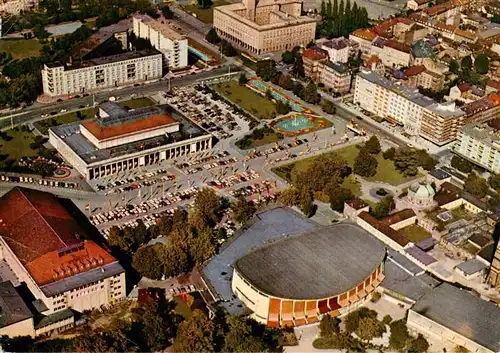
{"x": 317, "y": 264}
{"x": 356, "y": 203}
{"x": 463, "y": 313}
{"x": 398, "y": 216}
{"x": 384, "y": 228}
{"x": 13, "y": 308}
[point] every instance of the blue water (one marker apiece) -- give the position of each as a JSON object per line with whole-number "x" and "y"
{"x": 295, "y": 124}
{"x": 263, "y": 88}
{"x": 199, "y": 54}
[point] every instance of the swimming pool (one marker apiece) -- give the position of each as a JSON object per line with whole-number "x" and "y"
{"x": 276, "y": 95}
{"x": 294, "y": 124}
{"x": 199, "y": 54}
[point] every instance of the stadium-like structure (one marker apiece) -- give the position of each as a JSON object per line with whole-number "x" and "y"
{"x": 295, "y": 280}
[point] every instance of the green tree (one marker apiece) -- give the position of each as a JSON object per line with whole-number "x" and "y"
{"x": 311, "y": 93}
{"x": 282, "y": 108}
{"x": 329, "y": 326}
{"x": 175, "y": 259}
{"x": 207, "y": 205}
{"x": 168, "y": 14}
{"x": 298, "y": 67}
{"x": 461, "y": 164}
{"x": 387, "y": 320}
{"x": 328, "y": 106}
{"x": 40, "y": 32}
{"x": 454, "y": 67}
{"x": 369, "y": 328}
{"x": 372, "y": 146}
{"x": 287, "y": 57}
{"x": 242, "y": 210}
{"x": 165, "y": 225}
{"x": 351, "y": 321}
{"x": 383, "y": 207}
{"x": 466, "y": 63}
{"x": 306, "y": 202}
{"x": 389, "y": 153}
{"x": 266, "y": 69}
{"x": 365, "y": 164}
{"x": 205, "y": 4}
{"x": 298, "y": 89}
{"x": 494, "y": 181}
{"x": 425, "y": 160}
{"x": 289, "y": 196}
{"x": 338, "y": 196}
{"x": 399, "y": 335}
{"x": 147, "y": 262}
{"x": 482, "y": 64}
{"x": 240, "y": 338}
{"x": 242, "y": 80}
{"x": 212, "y": 36}
{"x": 406, "y": 161}
{"x": 227, "y": 48}
{"x": 286, "y": 82}
{"x": 195, "y": 334}
{"x": 476, "y": 185}
{"x": 418, "y": 345}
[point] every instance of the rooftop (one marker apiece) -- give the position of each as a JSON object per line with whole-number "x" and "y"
{"x": 484, "y": 133}
{"x": 337, "y": 44}
{"x": 422, "y": 49}
{"x": 472, "y": 266}
{"x": 357, "y": 203}
{"x": 391, "y": 43}
{"x": 488, "y": 102}
{"x": 462, "y": 313}
{"x": 337, "y": 67}
{"x": 159, "y": 26}
{"x": 399, "y": 216}
{"x": 315, "y": 54}
{"x": 316, "y": 264}
{"x": 414, "y": 70}
{"x": 366, "y": 34}
{"x": 12, "y": 306}
{"x": 384, "y": 228}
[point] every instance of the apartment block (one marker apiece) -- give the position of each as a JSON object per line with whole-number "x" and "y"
{"x": 403, "y": 105}
{"x": 338, "y": 49}
{"x": 100, "y": 73}
{"x": 171, "y": 44}
{"x": 419, "y": 76}
{"x": 264, "y": 26}
{"x": 333, "y": 75}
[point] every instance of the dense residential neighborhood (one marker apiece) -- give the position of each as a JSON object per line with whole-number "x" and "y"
{"x": 254, "y": 176}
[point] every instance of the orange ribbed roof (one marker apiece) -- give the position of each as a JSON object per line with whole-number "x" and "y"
{"x": 103, "y": 133}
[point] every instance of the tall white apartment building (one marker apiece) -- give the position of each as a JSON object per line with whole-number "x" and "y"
{"x": 480, "y": 144}
{"x": 100, "y": 73}
{"x": 404, "y": 105}
{"x": 173, "y": 45}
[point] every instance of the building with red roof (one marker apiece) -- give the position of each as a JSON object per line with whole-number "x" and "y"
{"x": 120, "y": 139}
{"x": 45, "y": 248}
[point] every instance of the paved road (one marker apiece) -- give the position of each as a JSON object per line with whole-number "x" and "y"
{"x": 37, "y": 109}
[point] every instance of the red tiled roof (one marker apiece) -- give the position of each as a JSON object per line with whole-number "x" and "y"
{"x": 151, "y": 123}
{"x": 384, "y": 228}
{"x": 315, "y": 54}
{"x": 397, "y": 46}
{"x": 414, "y": 70}
{"x": 494, "y": 84}
{"x": 372, "y": 60}
{"x": 37, "y": 227}
{"x": 464, "y": 87}
{"x": 356, "y": 203}
{"x": 398, "y": 216}
{"x": 365, "y": 34}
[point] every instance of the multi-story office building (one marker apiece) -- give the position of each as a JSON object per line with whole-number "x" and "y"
{"x": 264, "y": 26}
{"x": 100, "y": 73}
{"x": 42, "y": 249}
{"x": 404, "y": 105}
{"x": 118, "y": 140}
{"x": 419, "y": 76}
{"x": 480, "y": 144}
{"x": 173, "y": 45}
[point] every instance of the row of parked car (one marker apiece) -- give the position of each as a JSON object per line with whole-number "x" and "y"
{"x": 31, "y": 180}
{"x": 234, "y": 179}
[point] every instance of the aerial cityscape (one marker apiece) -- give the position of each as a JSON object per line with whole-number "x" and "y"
{"x": 250, "y": 176}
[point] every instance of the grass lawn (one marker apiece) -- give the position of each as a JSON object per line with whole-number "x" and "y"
{"x": 21, "y": 48}
{"x": 252, "y": 102}
{"x": 19, "y": 146}
{"x": 137, "y": 103}
{"x": 268, "y": 138}
{"x": 415, "y": 233}
{"x": 204, "y": 15}
{"x": 352, "y": 184}
{"x": 182, "y": 308}
{"x": 385, "y": 171}
{"x": 44, "y": 125}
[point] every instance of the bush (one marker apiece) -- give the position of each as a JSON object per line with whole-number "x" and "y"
{"x": 387, "y": 319}
{"x": 389, "y": 153}
{"x": 375, "y": 297}
{"x": 461, "y": 164}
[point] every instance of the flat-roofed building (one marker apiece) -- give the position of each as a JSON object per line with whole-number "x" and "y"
{"x": 397, "y": 103}
{"x": 294, "y": 281}
{"x": 480, "y": 144}
{"x": 338, "y": 49}
{"x": 164, "y": 38}
{"x": 44, "y": 247}
{"x": 264, "y": 26}
{"x": 447, "y": 312}
{"x": 100, "y": 73}
{"x": 118, "y": 139}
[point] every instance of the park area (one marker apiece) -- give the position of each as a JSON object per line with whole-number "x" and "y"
{"x": 386, "y": 172}
{"x": 247, "y": 99}
{"x": 259, "y": 137}
{"x": 204, "y": 15}
{"x": 20, "y": 48}
{"x": 18, "y": 144}
{"x": 43, "y": 126}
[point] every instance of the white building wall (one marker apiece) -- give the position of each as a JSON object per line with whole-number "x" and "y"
{"x": 478, "y": 151}
{"x": 253, "y": 299}
{"x": 379, "y": 235}
{"x": 21, "y": 328}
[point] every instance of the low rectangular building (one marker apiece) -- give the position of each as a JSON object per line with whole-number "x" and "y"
{"x": 118, "y": 140}
{"x": 100, "y": 73}
{"x": 453, "y": 314}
